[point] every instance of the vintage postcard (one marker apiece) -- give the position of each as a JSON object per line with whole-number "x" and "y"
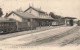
{"x": 39, "y": 24}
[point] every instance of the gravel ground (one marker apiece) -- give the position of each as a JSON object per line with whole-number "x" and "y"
{"x": 71, "y": 38}
{"x": 53, "y": 37}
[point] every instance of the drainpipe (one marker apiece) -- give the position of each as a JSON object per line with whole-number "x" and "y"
{"x": 17, "y": 26}
{"x": 31, "y": 24}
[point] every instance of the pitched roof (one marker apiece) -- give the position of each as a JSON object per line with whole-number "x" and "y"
{"x": 28, "y": 15}
{"x": 36, "y": 9}
{"x": 23, "y": 15}
{"x": 2, "y": 19}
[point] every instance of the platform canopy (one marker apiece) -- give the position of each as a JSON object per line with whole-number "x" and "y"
{"x": 69, "y": 18}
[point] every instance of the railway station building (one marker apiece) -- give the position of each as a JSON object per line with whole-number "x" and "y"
{"x": 34, "y": 17}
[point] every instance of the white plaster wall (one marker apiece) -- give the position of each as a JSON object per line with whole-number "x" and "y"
{"x": 13, "y": 16}
{"x": 33, "y": 12}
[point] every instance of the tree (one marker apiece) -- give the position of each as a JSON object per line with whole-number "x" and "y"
{"x": 58, "y": 17}
{"x": 52, "y": 15}
{"x": 19, "y": 10}
{"x": 1, "y": 12}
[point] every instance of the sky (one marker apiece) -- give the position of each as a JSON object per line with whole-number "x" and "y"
{"x": 63, "y": 8}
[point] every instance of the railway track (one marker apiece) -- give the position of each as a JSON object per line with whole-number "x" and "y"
{"x": 70, "y": 41}
{"x": 74, "y": 40}
{"x": 52, "y": 38}
{"x": 77, "y": 41}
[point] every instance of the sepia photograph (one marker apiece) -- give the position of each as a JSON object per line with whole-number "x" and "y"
{"x": 39, "y": 24}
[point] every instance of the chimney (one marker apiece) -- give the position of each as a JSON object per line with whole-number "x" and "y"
{"x": 29, "y": 5}
{"x": 40, "y": 7}
{"x": 6, "y": 15}
{"x": 32, "y": 5}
